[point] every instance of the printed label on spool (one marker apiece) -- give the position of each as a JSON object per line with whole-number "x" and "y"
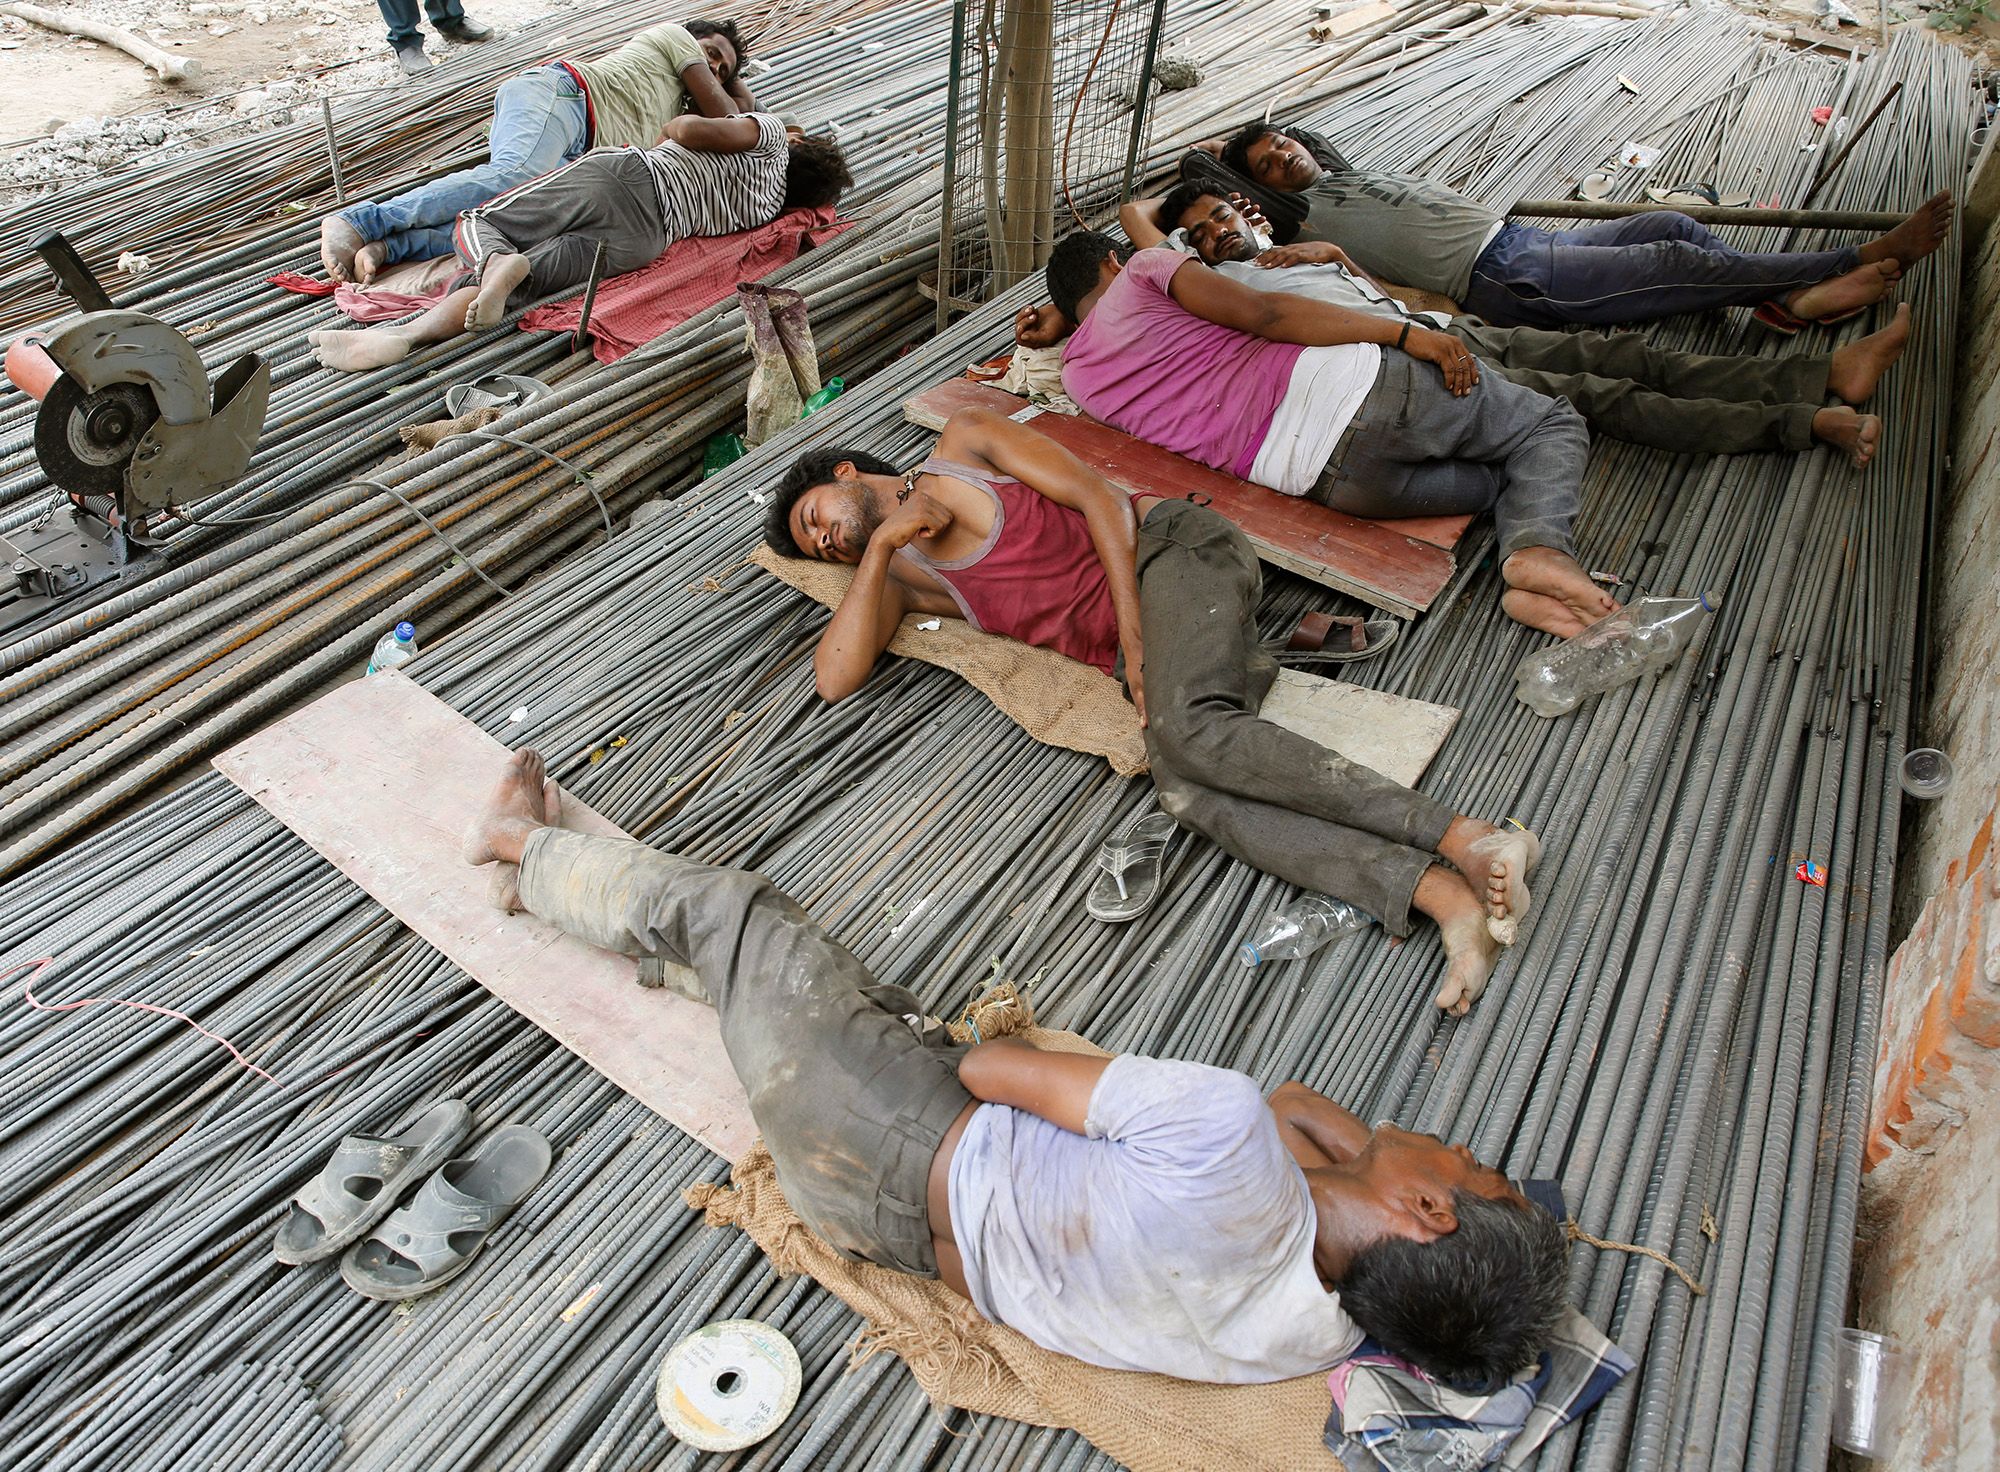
{"x": 728, "y": 1385}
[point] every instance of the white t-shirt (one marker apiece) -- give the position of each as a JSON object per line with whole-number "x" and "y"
{"x": 721, "y": 193}
{"x": 1328, "y": 385}
{"x": 1176, "y": 1236}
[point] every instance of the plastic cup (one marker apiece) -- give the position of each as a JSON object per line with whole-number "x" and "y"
{"x": 1873, "y": 1370}
{"x": 1926, "y": 773}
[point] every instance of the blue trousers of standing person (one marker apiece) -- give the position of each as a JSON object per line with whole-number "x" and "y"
{"x": 401, "y": 17}
{"x": 540, "y": 122}
{"x": 1632, "y": 270}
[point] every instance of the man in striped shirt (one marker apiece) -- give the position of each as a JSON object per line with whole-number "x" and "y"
{"x": 713, "y": 176}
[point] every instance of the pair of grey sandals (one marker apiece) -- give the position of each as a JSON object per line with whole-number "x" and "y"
{"x": 395, "y": 1252}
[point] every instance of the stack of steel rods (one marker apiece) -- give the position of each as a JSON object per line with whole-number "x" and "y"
{"x": 1683, "y": 1035}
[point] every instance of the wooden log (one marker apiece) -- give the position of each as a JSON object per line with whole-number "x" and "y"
{"x": 169, "y": 67}
{"x": 1708, "y": 214}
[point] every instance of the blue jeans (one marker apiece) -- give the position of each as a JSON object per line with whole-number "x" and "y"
{"x": 1631, "y": 270}
{"x": 401, "y": 16}
{"x": 540, "y": 122}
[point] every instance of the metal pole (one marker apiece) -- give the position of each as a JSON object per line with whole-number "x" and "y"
{"x": 333, "y": 151}
{"x": 1142, "y": 100}
{"x": 1708, "y": 214}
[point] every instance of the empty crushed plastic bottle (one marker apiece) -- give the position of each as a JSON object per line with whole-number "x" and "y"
{"x": 1644, "y": 636}
{"x": 398, "y": 646}
{"x": 835, "y": 387}
{"x": 1302, "y": 927}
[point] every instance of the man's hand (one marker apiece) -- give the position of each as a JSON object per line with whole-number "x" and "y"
{"x": 1252, "y": 213}
{"x": 923, "y": 515}
{"x": 1135, "y": 675}
{"x": 1211, "y": 146}
{"x": 1306, "y": 253}
{"x": 1454, "y": 360}
{"x": 1040, "y": 327}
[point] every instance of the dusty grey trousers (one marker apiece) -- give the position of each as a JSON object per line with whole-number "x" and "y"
{"x": 851, "y": 1105}
{"x": 556, "y": 221}
{"x": 1272, "y": 798}
{"x": 1630, "y": 390}
{"x": 1415, "y": 449}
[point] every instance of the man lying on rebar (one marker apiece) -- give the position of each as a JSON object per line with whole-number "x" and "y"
{"x": 713, "y": 176}
{"x": 1623, "y": 386}
{"x": 1407, "y": 229}
{"x": 1133, "y": 1212}
{"x": 1004, "y": 528}
{"x": 1366, "y": 414}
{"x": 548, "y": 116}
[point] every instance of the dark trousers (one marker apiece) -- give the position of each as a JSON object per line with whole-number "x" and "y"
{"x": 401, "y": 17}
{"x": 1270, "y": 797}
{"x": 1631, "y": 270}
{"x": 1416, "y": 449}
{"x": 558, "y": 221}
{"x": 850, "y": 1104}
{"x": 1630, "y": 390}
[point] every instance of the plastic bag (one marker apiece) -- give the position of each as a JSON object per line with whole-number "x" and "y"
{"x": 784, "y": 368}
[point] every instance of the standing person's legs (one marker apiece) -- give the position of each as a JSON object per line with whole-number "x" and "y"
{"x": 401, "y": 18}
{"x": 444, "y": 14}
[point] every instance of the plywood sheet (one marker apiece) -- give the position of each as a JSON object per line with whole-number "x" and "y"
{"x": 1393, "y": 734}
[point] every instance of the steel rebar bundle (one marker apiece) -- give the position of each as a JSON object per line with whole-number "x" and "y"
{"x": 1683, "y": 1035}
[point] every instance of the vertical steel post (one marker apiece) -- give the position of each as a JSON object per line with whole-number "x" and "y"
{"x": 951, "y": 113}
{"x": 1144, "y": 97}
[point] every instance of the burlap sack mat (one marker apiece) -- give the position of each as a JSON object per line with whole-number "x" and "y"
{"x": 1151, "y": 1423}
{"x": 1056, "y": 700}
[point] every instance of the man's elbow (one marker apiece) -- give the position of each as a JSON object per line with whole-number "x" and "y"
{"x": 834, "y": 687}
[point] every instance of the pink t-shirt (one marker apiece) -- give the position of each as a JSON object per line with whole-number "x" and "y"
{"x": 1143, "y": 363}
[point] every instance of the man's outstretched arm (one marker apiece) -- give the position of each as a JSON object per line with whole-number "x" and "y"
{"x": 1315, "y": 1130}
{"x": 715, "y": 135}
{"x": 1054, "y": 1086}
{"x": 1141, "y": 219}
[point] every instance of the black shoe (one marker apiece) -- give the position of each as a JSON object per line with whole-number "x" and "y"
{"x": 410, "y": 56}
{"x": 465, "y": 28}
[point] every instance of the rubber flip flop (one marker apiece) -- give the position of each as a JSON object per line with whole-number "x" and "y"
{"x": 1366, "y": 638}
{"x": 1775, "y": 316}
{"x": 434, "y": 1238}
{"x": 1129, "y": 870}
{"x": 494, "y": 391}
{"x": 363, "y": 1180}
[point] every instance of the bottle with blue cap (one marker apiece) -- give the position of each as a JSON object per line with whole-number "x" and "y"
{"x": 1643, "y": 637}
{"x": 1302, "y": 927}
{"x": 398, "y": 646}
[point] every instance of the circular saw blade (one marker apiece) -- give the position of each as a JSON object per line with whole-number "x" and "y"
{"x": 85, "y": 440}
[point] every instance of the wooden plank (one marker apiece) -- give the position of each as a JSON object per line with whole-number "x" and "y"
{"x": 380, "y": 777}
{"x": 1393, "y": 734}
{"x": 1377, "y": 562}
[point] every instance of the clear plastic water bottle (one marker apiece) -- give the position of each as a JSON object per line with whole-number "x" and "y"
{"x": 1302, "y": 927}
{"x": 1644, "y": 636}
{"x": 398, "y": 646}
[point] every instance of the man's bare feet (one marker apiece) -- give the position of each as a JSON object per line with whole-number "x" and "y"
{"x": 338, "y": 241}
{"x": 369, "y": 261}
{"x": 496, "y": 283}
{"x": 1547, "y": 590}
{"x": 1469, "y": 950}
{"x": 1839, "y": 295}
{"x": 354, "y": 352}
{"x": 524, "y": 800}
{"x": 1859, "y": 365}
{"x": 1858, "y": 434}
{"x": 1922, "y": 232}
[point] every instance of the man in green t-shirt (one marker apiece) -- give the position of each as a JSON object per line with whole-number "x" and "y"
{"x": 546, "y": 117}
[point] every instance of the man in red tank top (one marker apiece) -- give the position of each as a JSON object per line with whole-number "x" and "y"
{"x": 1006, "y": 529}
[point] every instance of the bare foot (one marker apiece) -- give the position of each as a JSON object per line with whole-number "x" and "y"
{"x": 369, "y": 261}
{"x": 1858, "y": 434}
{"x": 524, "y": 800}
{"x": 1859, "y": 365}
{"x": 354, "y": 352}
{"x": 496, "y": 284}
{"x": 1469, "y": 951}
{"x": 338, "y": 241}
{"x": 1861, "y": 287}
{"x": 1509, "y": 856}
{"x": 1922, "y": 232}
{"x": 1547, "y": 590}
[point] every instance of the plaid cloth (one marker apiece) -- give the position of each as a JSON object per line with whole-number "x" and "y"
{"x": 1388, "y": 1409}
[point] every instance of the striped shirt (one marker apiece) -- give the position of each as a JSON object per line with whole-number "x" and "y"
{"x": 720, "y": 193}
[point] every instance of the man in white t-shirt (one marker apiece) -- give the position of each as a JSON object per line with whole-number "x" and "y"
{"x": 713, "y": 176}
{"x": 1136, "y": 1213}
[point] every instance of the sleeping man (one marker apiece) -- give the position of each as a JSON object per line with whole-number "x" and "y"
{"x": 1132, "y": 1212}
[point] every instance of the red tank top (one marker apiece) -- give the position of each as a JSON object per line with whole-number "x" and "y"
{"x": 1035, "y": 578}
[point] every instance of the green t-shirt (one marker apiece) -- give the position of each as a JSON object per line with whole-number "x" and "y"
{"x": 636, "y": 90}
{"x": 1400, "y": 227}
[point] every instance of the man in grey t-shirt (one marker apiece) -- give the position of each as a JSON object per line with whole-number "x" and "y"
{"x": 1622, "y": 385}
{"x": 1649, "y": 265}
{"x": 1131, "y": 1212}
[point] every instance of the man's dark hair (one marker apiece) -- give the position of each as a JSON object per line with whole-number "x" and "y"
{"x": 727, "y": 30}
{"x": 1073, "y": 265}
{"x": 1180, "y": 199}
{"x": 1236, "y": 152}
{"x": 815, "y": 174}
{"x": 814, "y": 468}
{"x": 1472, "y": 1307}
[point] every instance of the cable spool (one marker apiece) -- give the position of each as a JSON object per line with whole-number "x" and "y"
{"x": 728, "y": 1385}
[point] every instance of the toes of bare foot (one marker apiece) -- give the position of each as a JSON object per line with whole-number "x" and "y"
{"x": 1509, "y": 854}
{"x": 504, "y": 888}
{"x": 520, "y": 796}
{"x": 1470, "y": 954}
{"x": 338, "y": 241}
{"x": 369, "y": 261}
{"x": 1867, "y": 439}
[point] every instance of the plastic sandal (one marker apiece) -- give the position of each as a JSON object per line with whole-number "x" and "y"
{"x": 494, "y": 391}
{"x": 1366, "y": 638}
{"x": 363, "y": 1180}
{"x": 1129, "y": 870}
{"x": 434, "y": 1238}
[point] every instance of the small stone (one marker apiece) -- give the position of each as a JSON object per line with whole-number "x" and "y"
{"x": 251, "y": 102}
{"x": 152, "y": 133}
{"x": 203, "y": 7}
{"x": 257, "y": 15}
{"x": 222, "y": 28}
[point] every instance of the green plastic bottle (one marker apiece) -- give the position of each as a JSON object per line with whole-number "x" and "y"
{"x": 835, "y": 387}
